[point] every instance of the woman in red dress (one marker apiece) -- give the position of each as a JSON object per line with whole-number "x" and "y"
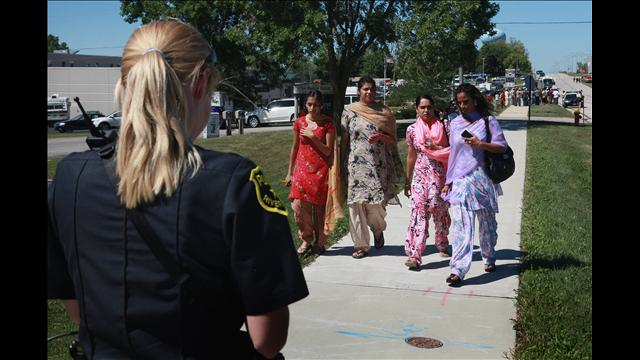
{"x": 309, "y": 163}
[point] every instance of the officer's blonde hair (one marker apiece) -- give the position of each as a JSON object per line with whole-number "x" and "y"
{"x": 154, "y": 150}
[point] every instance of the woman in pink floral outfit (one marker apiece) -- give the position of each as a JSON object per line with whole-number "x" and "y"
{"x": 427, "y": 156}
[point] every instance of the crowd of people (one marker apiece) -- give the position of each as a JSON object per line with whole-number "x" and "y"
{"x": 192, "y": 243}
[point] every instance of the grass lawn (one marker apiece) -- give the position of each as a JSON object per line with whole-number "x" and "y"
{"x": 65, "y": 135}
{"x": 554, "y": 303}
{"x": 550, "y": 110}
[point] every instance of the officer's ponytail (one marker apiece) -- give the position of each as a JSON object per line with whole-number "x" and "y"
{"x": 154, "y": 150}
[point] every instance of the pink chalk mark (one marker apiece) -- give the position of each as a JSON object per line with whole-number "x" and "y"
{"x": 444, "y": 298}
{"x": 426, "y": 291}
{"x": 471, "y": 293}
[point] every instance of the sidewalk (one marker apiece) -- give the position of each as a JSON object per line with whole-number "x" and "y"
{"x": 364, "y": 309}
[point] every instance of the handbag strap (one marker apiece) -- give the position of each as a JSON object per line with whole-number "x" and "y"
{"x": 486, "y": 125}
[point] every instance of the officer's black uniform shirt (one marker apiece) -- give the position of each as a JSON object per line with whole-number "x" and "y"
{"x": 224, "y": 224}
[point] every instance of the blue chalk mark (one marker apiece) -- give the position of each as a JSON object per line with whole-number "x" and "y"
{"x": 477, "y": 346}
{"x": 363, "y": 335}
{"x": 404, "y": 332}
{"x": 471, "y": 346}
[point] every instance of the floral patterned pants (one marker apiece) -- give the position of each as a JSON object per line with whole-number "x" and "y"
{"x": 418, "y": 231}
{"x": 463, "y": 223}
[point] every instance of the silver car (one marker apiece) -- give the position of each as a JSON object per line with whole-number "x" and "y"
{"x": 277, "y": 111}
{"x": 111, "y": 121}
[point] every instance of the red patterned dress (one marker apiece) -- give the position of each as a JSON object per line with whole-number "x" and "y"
{"x": 311, "y": 175}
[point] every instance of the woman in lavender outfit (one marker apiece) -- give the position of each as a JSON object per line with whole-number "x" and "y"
{"x": 468, "y": 189}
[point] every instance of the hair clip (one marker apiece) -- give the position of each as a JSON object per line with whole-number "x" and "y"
{"x": 153, "y": 49}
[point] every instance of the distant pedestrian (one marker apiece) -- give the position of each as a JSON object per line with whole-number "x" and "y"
{"x": 576, "y": 117}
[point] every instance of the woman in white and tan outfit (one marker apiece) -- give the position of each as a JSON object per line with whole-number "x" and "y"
{"x": 371, "y": 166}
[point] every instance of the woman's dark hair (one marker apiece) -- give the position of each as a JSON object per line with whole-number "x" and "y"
{"x": 317, "y": 94}
{"x": 367, "y": 80}
{"x": 428, "y": 97}
{"x": 479, "y": 100}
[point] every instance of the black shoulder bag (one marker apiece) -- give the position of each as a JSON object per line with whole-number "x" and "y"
{"x": 499, "y": 167}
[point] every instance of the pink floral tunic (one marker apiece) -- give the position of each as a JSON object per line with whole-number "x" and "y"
{"x": 427, "y": 183}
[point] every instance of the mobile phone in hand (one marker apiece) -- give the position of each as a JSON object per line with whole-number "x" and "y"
{"x": 466, "y": 134}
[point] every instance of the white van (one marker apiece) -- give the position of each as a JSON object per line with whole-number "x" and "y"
{"x": 351, "y": 95}
{"x": 277, "y": 111}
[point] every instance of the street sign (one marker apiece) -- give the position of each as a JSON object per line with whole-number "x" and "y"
{"x": 510, "y": 77}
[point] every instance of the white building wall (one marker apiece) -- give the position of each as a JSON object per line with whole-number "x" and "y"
{"x": 95, "y": 86}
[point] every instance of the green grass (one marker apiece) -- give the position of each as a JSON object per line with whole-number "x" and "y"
{"x": 65, "y": 135}
{"x": 550, "y": 110}
{"x": 554, "y": 303}
{"x": 59, "y": 323}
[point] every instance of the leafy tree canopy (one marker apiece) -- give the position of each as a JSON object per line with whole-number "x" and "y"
{"x": 53, "y": 43}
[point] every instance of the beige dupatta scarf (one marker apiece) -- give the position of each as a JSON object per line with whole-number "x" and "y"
{"x": 376, "y": 114}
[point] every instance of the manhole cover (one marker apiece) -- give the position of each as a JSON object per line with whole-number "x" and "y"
{"x": 423, "y": 342}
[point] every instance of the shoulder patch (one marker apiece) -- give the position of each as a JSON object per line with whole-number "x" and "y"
{"x": 267, "y": 198}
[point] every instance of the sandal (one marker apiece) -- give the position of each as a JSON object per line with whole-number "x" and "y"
{"x": 359, "y": 254}
{"x": 303, "y": 248}
{"x": 453, "y": 279}
{"x": 379, "y": 241}
{"x": 490, "y": 267}
{"x": 412, "y": 264}
{"x": 318, "y": 249}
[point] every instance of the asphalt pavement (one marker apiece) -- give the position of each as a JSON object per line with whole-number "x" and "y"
{"x": 564, "y": 82}
{"x": 367, "y": 308}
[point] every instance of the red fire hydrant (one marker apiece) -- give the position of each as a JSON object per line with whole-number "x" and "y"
{"x": 577, "y": 117}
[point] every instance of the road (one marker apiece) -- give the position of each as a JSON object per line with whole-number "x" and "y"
{"x": 66, "y": 145}
{"x": 564, "y": 82}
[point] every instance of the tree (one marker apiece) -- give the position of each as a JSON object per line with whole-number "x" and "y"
{"x": 436, "y": 37}
{"x": 372, "y": 63}
{"x": 53, "y": 43}
{"x": 256, "y": 42}
{"x": 270, "y": 36}
{"x": 501, "y": 55}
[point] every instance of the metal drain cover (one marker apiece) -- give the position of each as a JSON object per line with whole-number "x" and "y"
{"x": 423, "y": 342}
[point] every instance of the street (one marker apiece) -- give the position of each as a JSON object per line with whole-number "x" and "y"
{"x": 66, "y": 145}
{"x": 564, "y": 82}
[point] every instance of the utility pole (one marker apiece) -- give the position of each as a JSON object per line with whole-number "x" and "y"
{"x": 384, "y": 86}
{"x": 485, "y": 80}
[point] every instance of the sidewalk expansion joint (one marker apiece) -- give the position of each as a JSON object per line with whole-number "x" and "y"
{"x": 448, "y": 292}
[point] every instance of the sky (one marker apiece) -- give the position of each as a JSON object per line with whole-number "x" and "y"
{"x": 96, "y": 28}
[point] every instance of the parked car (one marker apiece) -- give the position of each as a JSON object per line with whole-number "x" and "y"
{"x": 76, "y": 123}
{"x": 570, "y": 99}
{"x": 111, "y": 121}
{"x": 277, "y": 111}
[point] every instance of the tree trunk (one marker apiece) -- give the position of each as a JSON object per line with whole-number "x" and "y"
{"x": 339, "y": 82}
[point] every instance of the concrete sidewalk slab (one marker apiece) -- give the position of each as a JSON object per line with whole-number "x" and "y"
{"x": 365, "y": 308}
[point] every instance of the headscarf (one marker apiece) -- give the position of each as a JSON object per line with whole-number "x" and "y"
{"x": 376, "y": 114}
{"x": 335, "y": 195}
{"x": 438, "y": 136}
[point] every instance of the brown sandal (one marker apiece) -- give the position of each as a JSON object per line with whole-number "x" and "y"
{"x": 359, "y": 254}
{"x": 490, "y": 267}
{"x": 304, "y": 248}
{"x": 453, "y": 279}
{"x": 318, "y": 249}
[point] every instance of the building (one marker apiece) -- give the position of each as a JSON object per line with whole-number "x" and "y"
{"x": 92, "y": 78}
{"x": 76, "y": 60}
